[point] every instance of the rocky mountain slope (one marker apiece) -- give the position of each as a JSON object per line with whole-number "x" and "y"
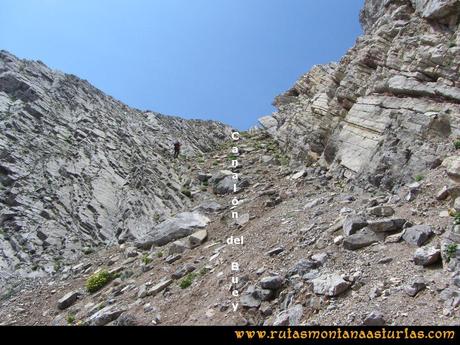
{"x": 78, "y": 168}
{"x": 348, "y": 198}
{"x": 315, "y": 251}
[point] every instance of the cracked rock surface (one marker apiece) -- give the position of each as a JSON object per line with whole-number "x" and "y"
{"x": 79, "y": 169}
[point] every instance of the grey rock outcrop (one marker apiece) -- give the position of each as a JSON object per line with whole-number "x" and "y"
{"x": 353, "y": 223}
{"x": 425, "y": 256}
{"x": 289, "y": 317}
{"x": 416, "y": 285}
{"x": 224, "y": 183}
{"x": 67, "y": 300}
{"x": 173, "y": 228}
{"x": 375, "y": 318}
{"x": 417, "y": 235}
{"x": 360, "y": 240}
{"x": 452, "y": 165}
{"x": 271, "y": 283}
{"x": 330, "y": 285}
{"x": 105, "y": 315}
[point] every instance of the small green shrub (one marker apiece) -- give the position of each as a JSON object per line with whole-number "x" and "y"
{"x": 186, "y": 192}
{"x": 457, "y": 218}
{"x": 187, "y": 281}
{"x": 457, "y": 144}
{"x": 57, "y": 266}
{"x": 159, "y": 254}
{"x": 282, "y": 159}
{"x": 418, "y": 178}
{"x": 146, "y": 260}
{"x": 451, "y": 250}
{"x": 88, "y": 250}
{"x": 98, "y": 280}
{"x": 70, "y": 319}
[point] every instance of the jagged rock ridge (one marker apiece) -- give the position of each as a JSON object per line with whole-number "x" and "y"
{"x": 78, "y": 168}
{"x": 386, "y": 110}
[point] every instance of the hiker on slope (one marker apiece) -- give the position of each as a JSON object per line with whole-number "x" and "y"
{"x": 176, "y": 149}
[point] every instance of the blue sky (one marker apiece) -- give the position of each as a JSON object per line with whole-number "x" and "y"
{"x": 210, "y": 59}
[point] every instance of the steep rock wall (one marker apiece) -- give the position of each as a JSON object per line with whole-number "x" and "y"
{"x": 389, "y": 107}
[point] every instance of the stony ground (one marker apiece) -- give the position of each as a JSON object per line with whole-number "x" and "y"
{"x": 294, "y": 267}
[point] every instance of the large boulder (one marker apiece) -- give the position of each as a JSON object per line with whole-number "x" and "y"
{"x": 330, "y": 285}
{"x": 417, "y": 235}
{"x": 414, "y": 286}
{"x": 223, "y": 182}
{"x": 67, "y": 300}
{"x": 303, "y": 266}
{"x": 382, "y": 211}
{"x": 105, "y": 315}
{"x": 209, "y": 206}
{"x": 182, "y": 225}
{"x": 360, "y": 240}
{"x": 452, "y": 165}
{"x": 426, "y": 256}
{"x": 272, "y": 282}
{"x": 353, "y": 223}
{"x": 375, "y": 318}
{"x": 386, "y": 225}
{"x": 289, "y": 317}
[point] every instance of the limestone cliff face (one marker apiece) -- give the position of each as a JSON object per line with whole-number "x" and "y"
{"x": 390, "y": 106}
{"x": 78, "y": 168}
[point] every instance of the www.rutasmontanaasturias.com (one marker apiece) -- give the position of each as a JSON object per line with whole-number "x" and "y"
{"x": 382, "y": 333}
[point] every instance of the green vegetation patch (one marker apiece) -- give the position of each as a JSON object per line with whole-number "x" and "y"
{"x": 146, "y": 260}
{"x": 70, "y": 319}
{"x": 457, "y": 144}
{"x": 187, "y": 281}
{"x": 418, "y": 178}
{"x": 451, "y": 250}
{"x": 98, "y": 280}
{"x": 457, "y": 218}
{"x": 186, "y": 192}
